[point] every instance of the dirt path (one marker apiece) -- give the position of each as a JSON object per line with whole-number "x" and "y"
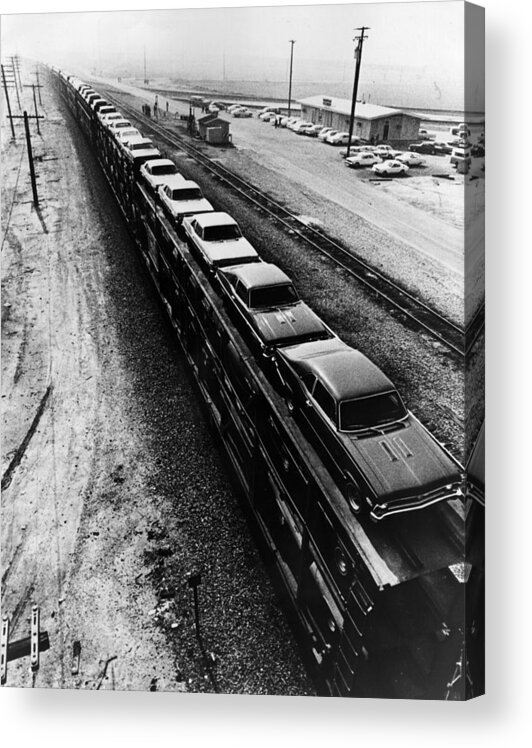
{"x": 91, "y": 529}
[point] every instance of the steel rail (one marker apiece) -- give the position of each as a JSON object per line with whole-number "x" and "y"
{"x": 449, "y": 334}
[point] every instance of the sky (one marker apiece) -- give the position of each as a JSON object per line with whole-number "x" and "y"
{"x": 417, "y": 43}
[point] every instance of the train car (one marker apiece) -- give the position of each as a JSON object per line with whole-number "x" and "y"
{"x": 378, "y": 608}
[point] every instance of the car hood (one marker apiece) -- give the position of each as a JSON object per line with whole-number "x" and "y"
{"x": 189, "y": 207}
{"x": 287, "y": 323}
{"x": 402, "y": 463}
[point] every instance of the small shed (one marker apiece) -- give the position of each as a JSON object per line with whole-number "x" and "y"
{"x": 372, "y": 122}
{"x": 213, "y": 129}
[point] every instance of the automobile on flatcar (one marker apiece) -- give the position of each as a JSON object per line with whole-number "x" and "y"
{"x": 267, "y": 307}
{"x": 118, "y": 124}
{"x": 217, "y": 240}
{"x": 158, "y": 172}
{"x": 126, "y": 134}
{"x": 378, "y": 452}
{"x": 140, "y": 149}
{"x": 185, "y": 199}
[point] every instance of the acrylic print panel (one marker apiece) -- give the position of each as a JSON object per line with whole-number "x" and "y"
{"x": 243, "y": 351}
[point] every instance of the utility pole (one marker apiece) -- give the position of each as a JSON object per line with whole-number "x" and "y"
{"x": 8, "y": 104}
{"x": 30, "y": 159}
{"x": 38, "y": 84}
{"x": 15, "y": 81}
{"x": 292, "y": 42}
{"x": 36, "y": 112}
{"x": 358, "y": 57}
{"x": 145, "y": 76}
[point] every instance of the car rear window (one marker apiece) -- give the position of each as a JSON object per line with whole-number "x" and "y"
{"x": 260, "y": 298}
{"x": 164, "y": 169}
{"x": 221, "y": 233}
{"x": 192, "y": 193}
{"x": 368, "y": 412}
{"x": 140, "y": 146}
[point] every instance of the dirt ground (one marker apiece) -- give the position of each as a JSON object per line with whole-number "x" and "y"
{"x": 113, "y": 489}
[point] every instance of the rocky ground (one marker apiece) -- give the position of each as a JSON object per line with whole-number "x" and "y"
{"x": 114, "y": 490}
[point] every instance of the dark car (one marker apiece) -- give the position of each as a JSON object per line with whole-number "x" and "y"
{"x": 443, "y": 147}
{"x": 379, "y": 454}
{"x": 427, "y": 146}
{"x": 267, "y": 307}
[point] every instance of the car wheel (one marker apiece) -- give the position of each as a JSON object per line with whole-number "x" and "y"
{"x": 353, "y": 498}
{"x": 290, "y": 405}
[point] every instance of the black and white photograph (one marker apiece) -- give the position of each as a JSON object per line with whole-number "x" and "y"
{"x": 243, "y": 324}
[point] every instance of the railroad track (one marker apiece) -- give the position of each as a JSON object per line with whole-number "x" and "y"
{"x": 413, "y": 310}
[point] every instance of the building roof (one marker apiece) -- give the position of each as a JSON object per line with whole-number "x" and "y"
{"x": 259, "y": 274}
{"x": 362, "y": 110}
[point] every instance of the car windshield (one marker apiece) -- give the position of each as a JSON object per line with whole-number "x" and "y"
{"x": 371, "y": 412}
{"x": 269, "y": 296}
{"x": 221, "y": 233}
{"x": 192, "y": 193}
{"x": 164, "y": 169}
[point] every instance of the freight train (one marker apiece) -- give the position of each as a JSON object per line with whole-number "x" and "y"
{"x": 359, "y": 511}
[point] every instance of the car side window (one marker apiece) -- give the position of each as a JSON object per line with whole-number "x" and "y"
{"x": 242, "y": 292}
{"x": 325, "y": 400}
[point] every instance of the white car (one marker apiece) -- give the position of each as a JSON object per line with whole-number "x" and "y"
{"x": 108, "y": 117}
{"x": 410, "y": 159}
{"x": 301, "y": 127}
{"x": 362, "y": 159}
{"x": 386, "y": 151}
{"x": 232, "y": 108}
{"x": 326, "y": 131}
{"x": 338, "y": 138}
{"x": 160, "y": 171}
{"x": 118, "y": 124}
{"x": 184, "y": 199}
{"x": 242, "y": 112}
{"x": 126, "y": 134}
{"x": 141, "y": 149}
{"x": 390, "y": 168}
{"x": 217, "y": 239}
{"x": 267, "y": 116}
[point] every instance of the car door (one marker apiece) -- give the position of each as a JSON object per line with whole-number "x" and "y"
{"x": 319, "y": 411}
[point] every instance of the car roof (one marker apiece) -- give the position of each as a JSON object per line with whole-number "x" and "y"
{"x": 258, "y": 274}
{"x": 185, "y": 184}
{"x": 159, "y": 162}
{"x": 214, "y": 219}
{"x": 346, "y": 372}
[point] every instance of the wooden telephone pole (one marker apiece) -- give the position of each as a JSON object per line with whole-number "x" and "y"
{"x": 358, "y": 57}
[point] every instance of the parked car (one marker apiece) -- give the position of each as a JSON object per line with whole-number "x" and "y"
{"x": 160, "y": 171}
{"x": 426, "y": 146}
{"x": 183, "y": 199}
{"x": 218, "y": 240}
{"x": 242, "y": 112}
{"x": 313, "y": 131}
{"x": 386, "y": 151}
{"x": 338, "y": 138}
{"x": 381, "y": 457}
{"x": 232, "y": 108}
{"x": 442, "y": 147}
{"x": 390, "y": 168}
{"x": 268, "y": 109}
{"x": 293, "y": 123}
{"x": 410, "y": 159}
{"x": 326, "y": 131}
{"x": 360, "y": 160}
{"x": 426, "y": 135}
{"x": 267, "y": 307}
{"x": 141, "y": 149}
{"x": 356, "y": 149}
{"x": 301, "y": 127}
{"x": 267, "y": 116}
{"x": 109, "y": 117}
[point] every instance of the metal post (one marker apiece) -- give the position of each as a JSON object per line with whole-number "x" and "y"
{"x": 8, "y": 104}
{"x": 358, "y": 56}
{"x": 30, "y": 159}
{"x": 38, "y": 85}
{"x": 36, "y": 112}
{"x": 292, "y": 42}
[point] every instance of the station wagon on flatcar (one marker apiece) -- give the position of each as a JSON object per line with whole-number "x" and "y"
{"x": 217, "y": 239}
{"x": 380, "y": 455}
{"x": 267, "y": 307}
{"x": 185, "y": 199}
